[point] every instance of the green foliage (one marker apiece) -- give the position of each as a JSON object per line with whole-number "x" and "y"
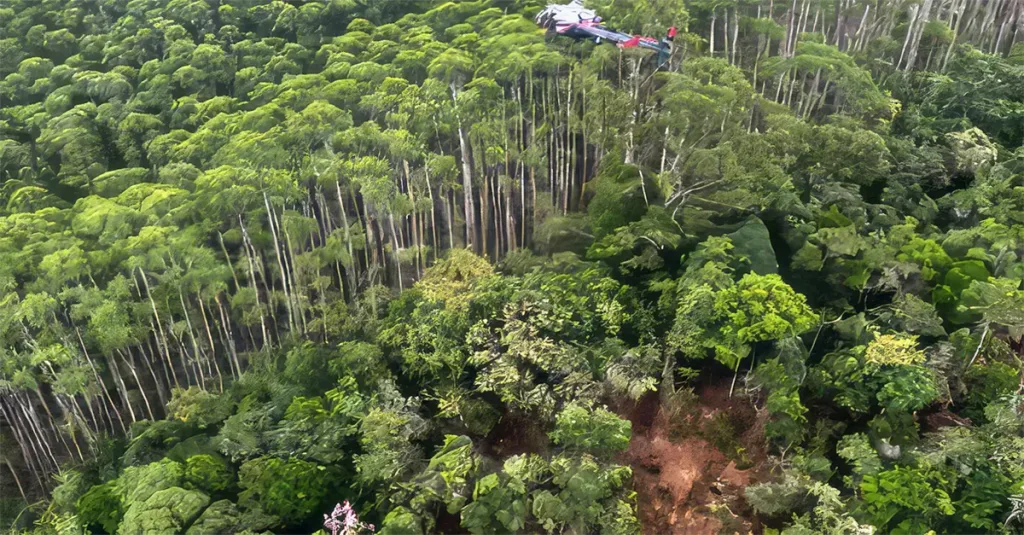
{"x": 137, "y": 483}
{"x": 595, "y": 431}
{"x": 309, "y": 431}
{"x": 169, "y": 510}
{"x": 74, "y": 484}
{"x": 634, "y": 372}
{"x": 360, "y": 360}
{"x": 887, "y": 373}
{"x": 986, "y": 384}
{"x": 307, "y": 365}
{"x": 198, "y": 406}
{"x": 774, "y": 498}
{"x": 290, "y": 490}
{"x": 618, "y": 197}
{"x": 334, "y": 232}
{"x": 101, "y": 507}
{"x": 499, "y": 505}
{"x": 386, "y": 436}
{"x": 655, "y": 233}
{"x": 220, "y": 517}
{"x": 856, "y": 449}
{"x": 828, "y": 515}
{"x": 906, "y": 499}
{"x": 208, "y": 474}
{"x": 449, "y": 280}
{"x": 584, "y": 486}
{"x": 760, "y": 308}
{"x": 401, "y": 521}
{"x": 456, "y": 464}
{"x": 755, "y": 309}
{"x": 753, "y": 243}
{"x": 788, "y": 413}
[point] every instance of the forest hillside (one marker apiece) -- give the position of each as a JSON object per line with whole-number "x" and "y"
{"x": 416, "y": 266}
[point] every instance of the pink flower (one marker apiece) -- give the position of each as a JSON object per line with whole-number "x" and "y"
{"x": 344, "y": 521}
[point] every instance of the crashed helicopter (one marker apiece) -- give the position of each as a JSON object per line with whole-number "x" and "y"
{"x": 577, "y": 22}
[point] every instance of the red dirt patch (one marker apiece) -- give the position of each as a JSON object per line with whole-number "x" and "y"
{"x": 684, "y": 483}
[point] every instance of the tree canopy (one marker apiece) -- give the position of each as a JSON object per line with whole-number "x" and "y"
{"x": 420, "y": 258}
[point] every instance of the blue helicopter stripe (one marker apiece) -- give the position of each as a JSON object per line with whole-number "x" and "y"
{"x": 605, "y": 34}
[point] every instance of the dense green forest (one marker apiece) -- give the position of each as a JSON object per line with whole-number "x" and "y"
{"x": 423, "y": 262}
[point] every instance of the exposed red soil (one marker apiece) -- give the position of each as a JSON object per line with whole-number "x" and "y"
{"x": 941, "y": 417}
{"x": 684, "y": 483}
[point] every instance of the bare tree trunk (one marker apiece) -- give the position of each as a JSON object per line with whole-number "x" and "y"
{"x": 416, "y": 242}
{"x": 36, "y": 428}
{"x": 735, "y": 34}
{"x": 1008, "y": 19}
{"x": 790, "y": 32}
{"x": 298, "y": 293}
{"x": 191, "y": 334}
{"x": 247, "y": 245}
{"x": 33, "y": 459}
{"x": 485, "y": 213}
{"x": 725, "y": 36}
{"x": 958, "y": 13}
{"x": 161, "y": 397}
{"x": 711, "y": 36}
{"x": 280, "y": 262}
{"x": 433, "y": 213}
{"x": 860, "y": 28}
{"x": 228, "y": 334}
{"x": 570, "y": 145}
{"x": 467, "y": 181}
{"x": 138, "y": 383}
{"x": 103, "y": 385}
{"x": 160, "y": 327}
{"x": 213, "y": 347}
{"x": 394, "y": 240}
{"x": 449, "y": 215}
{"x": 915, "y": 44}
{"x": 53, "y": 421}
{"x": 124, "y": 387}
{"x": 17, "y": 481}
{"x": 350, "y": 270}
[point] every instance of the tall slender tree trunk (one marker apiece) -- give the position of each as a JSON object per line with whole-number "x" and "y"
{"x": 280, "y": 262}
{"x": 467, "y": 181}
{"x": 33, "y": 459}
{"x": 417, "y": 243}
{"x": 119, "y": 380}
{"x": 138, "y": 383}
{"x": 226, "y": 324}
{"x": 790, "y": 31}
{"x": 394, "y": 239}
{"x": 726, "y": 28}
{"x": 449, "y": 215}
{"x": 213, "y": 347}
{"x": 485, "y": 211}
{"x": 247, "y": 245}
{"x": 735, "y": 34}
{"x": 103, "y": 385}
{"x": 350, "y": 270}
{"x": 36, "y": 428}
{"x": 53, "y": 420}
{"x": 160, "y": 327}
{"x": 914, "y": 10}
{"x": 433, "y": 214}
{"x": 152, "y": 373}
{"x": 915, "y": 45}
{"x": 17, "y": 481}
{"x": 711, "y": 34}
